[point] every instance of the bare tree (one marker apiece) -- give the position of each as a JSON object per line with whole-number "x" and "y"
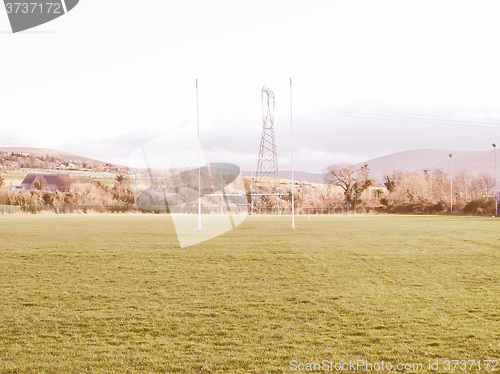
{"x": 395, "y": 183}
{"x": 417, "y": 188}
{"x": 41, "y": 183}
{"x": 438, "y": 185}
{"x": 463, "y": 187}
{"x": 351, "y": 180}
{"x": 485, "y": 183}
{"x": 431, "y": 187}
{"x": 121, "y": 178}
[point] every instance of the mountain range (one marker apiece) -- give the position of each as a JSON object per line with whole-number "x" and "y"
{"x": 416, "y": 161}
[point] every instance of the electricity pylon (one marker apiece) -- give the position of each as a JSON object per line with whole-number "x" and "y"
{"x": 267, "y": 174}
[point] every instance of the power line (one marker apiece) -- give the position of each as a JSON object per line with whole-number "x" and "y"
{"x": 413, "y": 118}
{"x": 452, "y": 118}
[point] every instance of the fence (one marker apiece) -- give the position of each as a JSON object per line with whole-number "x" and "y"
{"x": 311, "y": 210}
{"x": 9, "y": 209}
{"x": 61, "y": 209}
{"x": 181, "y": 209}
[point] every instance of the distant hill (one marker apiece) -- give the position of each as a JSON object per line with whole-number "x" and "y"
{"x": 42, "y": 152}
{"x": 417, "y": 161}
{"x": 298, "y": 176}
{"x": 430, "y": 159}
{"x": 302, "y": 176}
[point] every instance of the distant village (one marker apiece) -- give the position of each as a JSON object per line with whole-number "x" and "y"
{"x": 10, "y": 161}
{"x": 49, "y": 173}
{"x": 31, "y": 181}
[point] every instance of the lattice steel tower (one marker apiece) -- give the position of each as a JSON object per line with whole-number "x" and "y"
{"x": 267, "y": 175}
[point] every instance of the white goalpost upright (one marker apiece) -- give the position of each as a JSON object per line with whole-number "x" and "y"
{"x": 291, "y": 156}
{"x": 252, "y": 195}
{"x": 199, "y": 161}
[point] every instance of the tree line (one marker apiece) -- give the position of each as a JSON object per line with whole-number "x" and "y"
{"x": 401, "y": 191}
{"x": 92, "y": 193}
{"x": 346, "y": 186}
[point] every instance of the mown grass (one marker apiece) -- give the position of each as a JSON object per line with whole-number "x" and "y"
{"x": 115, "y": 293}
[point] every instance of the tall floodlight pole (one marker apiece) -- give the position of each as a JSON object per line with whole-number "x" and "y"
{"x": 199, "y": 166}
{"x": 451, "y": 184}
{"x": 496, "y": 189}
{"x": 291, "y": 153}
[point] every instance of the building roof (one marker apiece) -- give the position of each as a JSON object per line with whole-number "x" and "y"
{"x": 30, "y": 178}
{"x": 58, "y": 180}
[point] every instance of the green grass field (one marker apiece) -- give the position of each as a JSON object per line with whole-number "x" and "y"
{"x": 115, "y": 293}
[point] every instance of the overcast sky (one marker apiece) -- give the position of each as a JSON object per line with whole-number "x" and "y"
{"x": 369, "y": 78}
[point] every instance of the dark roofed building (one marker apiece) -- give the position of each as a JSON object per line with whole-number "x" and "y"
{"x": 47, "y": 182}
